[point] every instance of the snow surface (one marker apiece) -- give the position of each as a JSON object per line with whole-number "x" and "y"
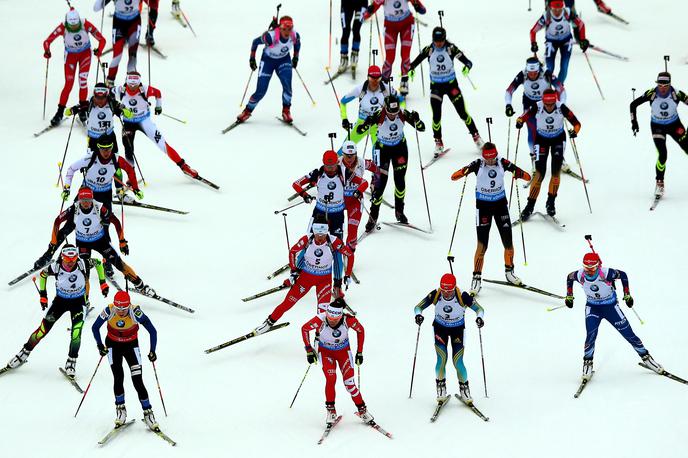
{"x": 236, "y": 401}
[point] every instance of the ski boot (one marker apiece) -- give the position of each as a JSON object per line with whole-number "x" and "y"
{"x": 59, "y": 114}
{"x": 331, "y": 415}
{"x": 150, "y": 39}
{"x": 441, "y": 390}
{"x": 354, "y": 61}
{"x": 549, "y": 205}
{"x": 465, "y": 393}
{"x": 110, "y": 82}
{"x": 363, "y": 413}
{"x": 476, "y": 284}
{"x": 401, "y": 218}
{"x": 142, "y": 288}
{"x": 439, "y": 147}
{"x": 265, "y": 327}
{"x": 587, "y": 369}
{"x": 244, "y": 115}
{"x": 528, "y": 210}
{"x": 286, "y": 115}
{"x": 107, "y": 267}
{"x": 479, "y": 143}
{"x": 511, "y": 277}
{"x": 186, "y": 169}
{"x": 343, "y": 63}
{"x": 70, "y": 367}
{"x": 372, "y": 219}
{"x": 404, "y": 86}
{"x": 565, "y": 168}
{"x": 659, "y": 189}
{"x": 19, "y": 359}
{"x": 149, "y": 419}
{"x": 121, "y": 415}
{"x": 652, "y": 364}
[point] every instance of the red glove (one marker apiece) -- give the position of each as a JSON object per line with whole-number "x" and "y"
{"x": 44, "y": 302}
{"x": 47, "y": 54}
{"x": 104, "y": 288}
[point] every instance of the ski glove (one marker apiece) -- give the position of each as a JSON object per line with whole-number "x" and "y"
{"x": 519, "y": 123}
{"x": 102, "y": 349}
{"x": 158, "y": 110}
{"x": 358, "y": 195}
{"x": 568, "y": 301}
{"x": 359, "y": 358}
{"x": 628, "y": 299}
{"x": 47, "y": 54}
{"x": 466, "y": 70}
{"x": 419, "y": 125}
{"x": 419, "y": 319}
{"x": 124, "y": 246}
{"x": 65, "y": 193}
{"x": 347, "y": 281}
{"x": 361, "y": 128}
{"x": 97, "y": 52}
{"x": 127, "y": 113}
{"x": 139, "y": 194}
{"x": 346, "y": 124}
{"x": 572, "y": 133}
{"x": 634, "y": 126}
{"x": 44, "y": 299}
{"x": 480, "y": 322}
{"x": 584, "y": 44}
{"x": 311, "y": 357}
{"x": 534, "y": 46}
{"x": 252, "y": 63}
{"x": 104, "y": 288}
{"x": 411, "y": 74}
{"x": 152, "y": 357}
{"x": 295, "y": 61}
{"x": 526, "y": 176}
{"x": 307, "y": 197}
{"x": 293, "y": 276}
{"x": 509, "y": 110}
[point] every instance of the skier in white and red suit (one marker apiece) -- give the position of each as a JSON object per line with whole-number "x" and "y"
{"x": 74, "y": 31}
{"x": 126, "y": 28}
{"x": 332, "y": 327}
{"x": 399, "y": 22}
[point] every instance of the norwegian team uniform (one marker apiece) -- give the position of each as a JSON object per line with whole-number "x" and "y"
{"x": 369, "y": 103}
{"x": 77, "y": 53}
{"x": 558, "y": 38}
{"x": 352, "y": 203}
{"x": 399, "y": 24}
{"x": 443, "y": 82}
{"x": 126, "y": 29}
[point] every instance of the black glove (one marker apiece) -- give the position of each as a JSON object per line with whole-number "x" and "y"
{"x": 158, "y": 110}
{"x": 414, "y": 117}
{"x": 628, "y": 299}
{"x": 47, "y": 54}
{"x": 584, "y": 44}
{"x": 307, "y": 197}
{"x": 43, "y": 299}
{"x": 152, "y": 356}
{"x": 97, "y": 52}
{"x": 252, "y": 63}
{"x": 634, "y": 126}
{"x": 572, "y": 133}
{"x": 534, "y": 47}
{"x": 45, "y": 257}
{"x": 359, "y": 358}
{"x": 568, "y": 301}
{"x": 509, "y": 110}
{"x": 361, "y": 128}
{"x": 124, "y": 246}
{"x": 311, "y": 357}
{"x": 358, "y": 195}
{"x": 420, "y": 126}
{"x": 346, "y": 124}
{"x": 519, "y": 123}
{"x": 419, "y": 319}
{"x": 480, "y": 322}
{"x": 102, "y": 349}
{"x": 295, "y": 61}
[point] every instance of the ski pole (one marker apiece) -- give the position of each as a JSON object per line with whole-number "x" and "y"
{"x": 523, "y": 238}
{"x": 420, "y": 48}
{"x": 45, "y": 87}
{"x": 286, "y": 231}
{"x": 329, "y": 77}
{"x": 64, "y": 156}
{"x": 637, "y": 316}
{"x": 89, "y": 386}
{"x": 155, "y": 371}
{"x": 304, "y": 86}
{"x": 172, "y": 117}
{"x": 329, "y": 41}
{"x": 594, "y": 76}
{"x": 508, "y": 139}
{"x": 187, "y": 22}
{"x": 551, "y": 309}
{"x": 475, "y": 88}
{"x": 61, "y": 181}
{"x": 136, "y": 161}
{"x": 450, "y": 258}
{"x": 289, "y": 207}
{"x": 482, "y": 358}
{"x": 415, "y": 354}
{"x": 529, "y": 8}
{"x": 241, "y": 105}
{"x": 666, "y": 63}
{"x": 580, "y": 168}
{"x": 34, "y": 282}
{"x": 300, "y": 385}
{"x": 379, "y": 36}
{"x": 103, "y": 66}
{"x": 632, "y": 116}
{"x": 370, "y": 44}
{"x": 422, "y": 174}
{"x": 511, "y": 191}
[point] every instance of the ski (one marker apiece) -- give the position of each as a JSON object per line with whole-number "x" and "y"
{"x": 335, "y": 76}
{"x": 407, "y": 225}
{"x": 161, "y": 435}
{"x": 245, "y": 337}
{"x": 150, "y": 207}
{"x": 113, "y": 282}
{"x": 377, "y": 427}
{"x": 553, "y": 220}
{"x": 665, "y": 374}
{"x": 618, "y": 18}
{"x": 208, "y": 182}
{"x": 19, "y": 278}
{"x": 329, "y": 427}
{"x": 291, "y": 124}
{"x": 5, "y": 369}
{"x": 583, "y": 384}
{"x": 384, "y": 202}
{"x": 573, "y": 174}
{"x": 116, "y": 430}
{"x": 655, "y": 202}
{"x": 155, "y": 49}
{"x": 526, "y": 287}
{"x": 266, "y": 292}
{"x": 71, "y": 380}
{"x": 38, "y": 134}
{"x": 473, "y": 408}
{"x": 438, "y": 409}
{"x": 608, "y": 53}
{"x": 436, "y": 158}
{"x": 231, "y": 126}
{"x": 278, "y": 271}
{"x": 296, "y": 194}
{"x": 157, "y": 297}
{"x": 355, "y": 278}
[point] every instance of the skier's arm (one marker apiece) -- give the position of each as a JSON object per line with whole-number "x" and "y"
{"x": 682, "y": 97}
{"x": 559, "y": 87}
{"x": 455, "y": 52}
{"x": 513, "y": 168}
{"x": 264, "y": 39}
{"x": 570, "y": 278}
{"x": 312, "y": 324}
{"x": 305, "y": 180}
{"x": 470, "y": 302}
{"x": 102, "y": 318}
{"x": 422, "y": 55}
{"x": 348, "y": 97}
{"x": 58, "y": 236}
{"x": 295, "y": 250}
{"x": 356, "y": 325}
{"x": 539, "y": 25}
{"x": 154, "y": 92}
{"x": 131, "y": 173}
{"x": 344, "y": 250}
{"x": 639, "y": 101}
{"x": 112, "y": 219}
{"x": 97, "y": 35}
{"x": 59, "y": 31}
{"x": 580, "y": 25}
{"x": 73, "y": 168}
{"x": 473, "y": 167}
{"x": 44, "y": 279}
{"x": 425, "y": 302}
{"x": 148, "y": 324}
{"x": 297, "y": 45}
{"x": 508, "y": 95}
{"x": 372, "y": 167}
{"x": 568, "y": 114}
{"x": 420, "y": 8}
{"x": 616, "y": 274}
{"x": 362, "y": 184}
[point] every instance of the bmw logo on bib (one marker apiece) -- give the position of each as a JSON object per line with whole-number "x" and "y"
{"x": 595, "y": 288}
{"x": 132, "y": 102}
{"x": 492, "y": 173}
{"x": 101, "y": 115}
{"x": 128, "y": 2}
{"x": 447, "y": 309}
{"x": 102, "y": 171}
{"x": 318, "y": 252}
{"x": 77, "y": 37}
{"x": 336, "y": 333}
{"x": 663, "y": 105}
{"x": 440, "y": 58}
{"x": 120, "y": 323}
{"x": 87, "y": 222}
{"x": 535, "y": 86}
{"x": 374, "y": 101}
{"x": 549, "y": 120}
{"x": 397, "y": 4}
{"x": 72, "y": 278}
{"x": 393, "y": 127}
{"x": 285, "y": 49}
{"x": 331, "y": 185}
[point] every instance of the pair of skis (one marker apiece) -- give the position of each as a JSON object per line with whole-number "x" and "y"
{"x": 469, "y": 404}
{"x": 150, "y": 207}
{"x": 118, "y": 429}
{"x": 330, "y": 426}
{"x": 551, "y": 218}
{"x": 436, "y": 157}
{"x": 152, "y": 295}
{"x": 584, "y": 382}
{"x": 524, "y": 287}
{"x": 244, "y": 337}
{"x": 290, "y": 124}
